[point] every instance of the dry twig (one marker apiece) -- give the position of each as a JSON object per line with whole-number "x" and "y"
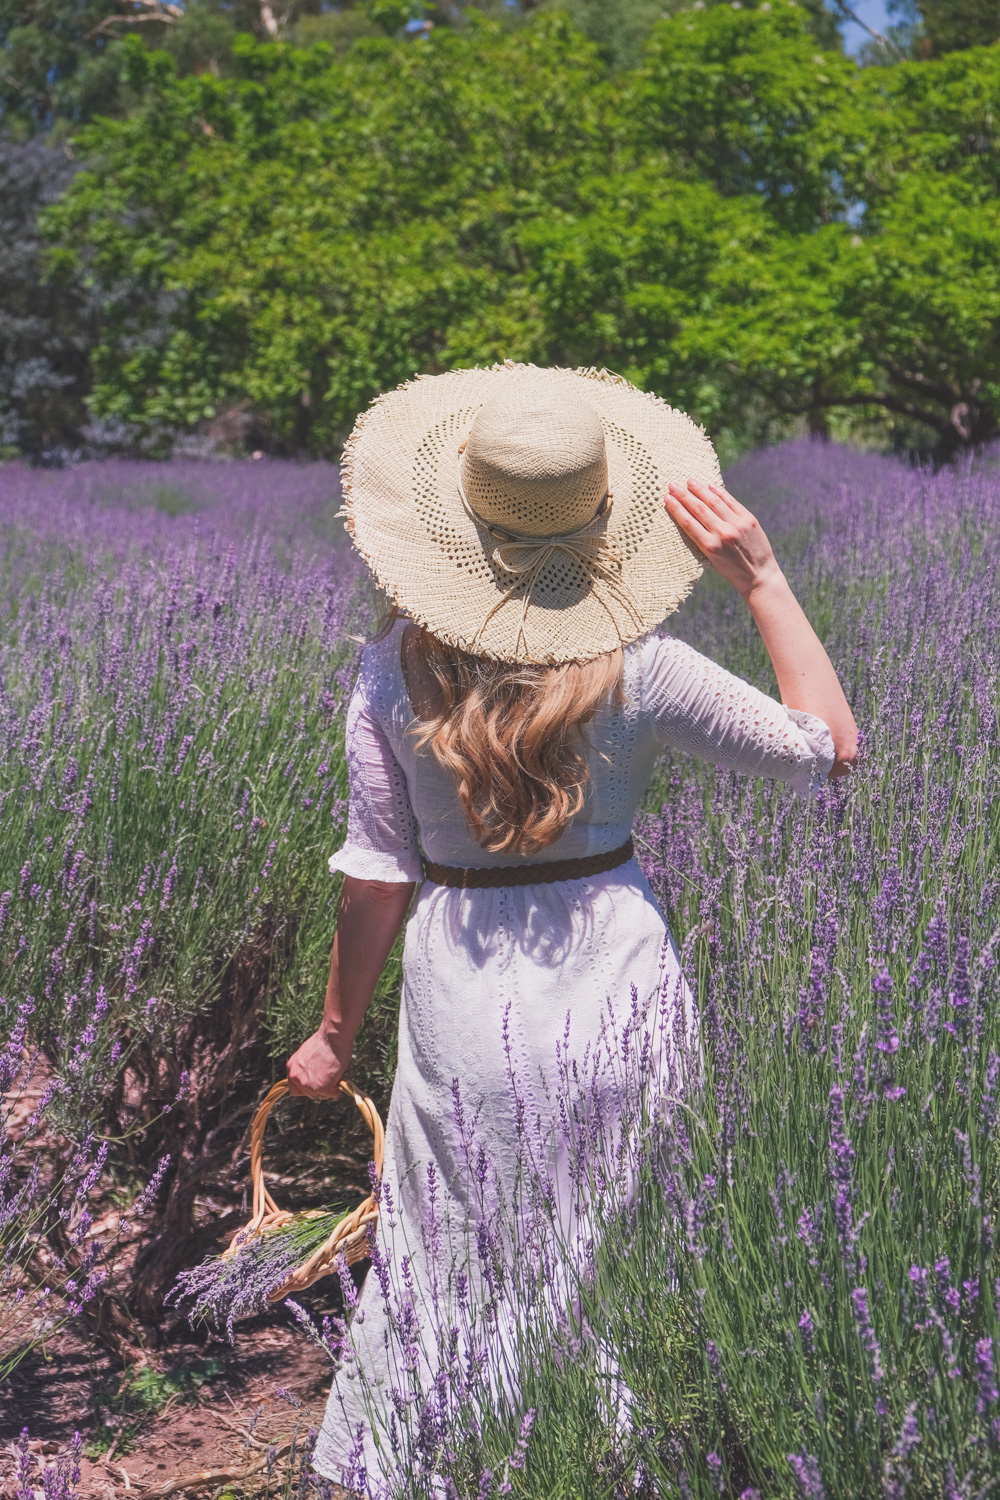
{"x": 212, "y": 1476}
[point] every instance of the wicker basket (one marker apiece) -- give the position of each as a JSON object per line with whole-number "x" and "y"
{"x": 349, "y": 1237}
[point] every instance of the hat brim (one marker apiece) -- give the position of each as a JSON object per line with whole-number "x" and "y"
{"x": 405, "y": 515}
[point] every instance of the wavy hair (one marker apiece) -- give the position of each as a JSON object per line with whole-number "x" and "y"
{"x": 512, "y": 736}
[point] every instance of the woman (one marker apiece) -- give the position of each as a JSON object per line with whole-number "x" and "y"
{"x": 533, "y": 527}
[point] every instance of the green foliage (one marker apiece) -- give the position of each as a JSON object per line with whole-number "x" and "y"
{"x": 51, "y": 69}
{"x": 61, "y": 60}
{"x": 621, "y": 31}
{"x": 951, "y": 24}
{"x": 392, "y": 15}
{"x": 45, "y": 324}
{"x": 764, "y": 232}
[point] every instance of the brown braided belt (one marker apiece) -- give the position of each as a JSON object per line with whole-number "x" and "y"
{"x": 544, "y": 874}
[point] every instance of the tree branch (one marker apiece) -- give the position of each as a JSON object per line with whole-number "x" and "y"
{"x": 167, "y": 15}
{"x": 893, "y": 403}
{"x": 916, "y": 382}
{"x": 850, "y": 15}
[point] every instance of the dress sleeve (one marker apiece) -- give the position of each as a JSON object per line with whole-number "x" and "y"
{"x": 699, "y": 707}
{"x": 382, "y": 842}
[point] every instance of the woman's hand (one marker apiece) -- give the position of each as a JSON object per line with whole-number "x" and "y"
{"x": 316, "y": 1069}
{"x": 731, "y": 539}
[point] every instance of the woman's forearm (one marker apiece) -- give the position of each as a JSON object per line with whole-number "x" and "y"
{"x": 733, "y": 542}
{"x": 806, "y": 678}
{"x": 371, "y": 914}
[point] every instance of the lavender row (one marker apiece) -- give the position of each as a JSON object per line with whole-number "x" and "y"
{"x": 172, "y": 684}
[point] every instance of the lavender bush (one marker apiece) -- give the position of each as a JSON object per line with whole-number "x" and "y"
{"x": 802, "y": 1299}
{"x": 177, "y": 644}
{"x": 40, "y": 1288}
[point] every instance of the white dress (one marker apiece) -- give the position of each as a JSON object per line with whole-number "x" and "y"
{"x": 523, "y": 957}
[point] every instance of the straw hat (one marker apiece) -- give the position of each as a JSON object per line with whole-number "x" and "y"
{"x": 517, "y": 512}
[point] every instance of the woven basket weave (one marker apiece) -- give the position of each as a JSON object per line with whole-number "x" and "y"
{"x": 349, "y": 1237}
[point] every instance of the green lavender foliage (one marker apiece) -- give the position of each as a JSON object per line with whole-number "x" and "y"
{"x": 177, "y": 650}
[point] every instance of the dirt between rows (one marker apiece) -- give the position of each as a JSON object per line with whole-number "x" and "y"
{"x": 226, "y": 1406}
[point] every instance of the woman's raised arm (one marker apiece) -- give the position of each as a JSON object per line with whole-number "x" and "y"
{"x": 371, "y": 914}
{"x": 734, "y": 544}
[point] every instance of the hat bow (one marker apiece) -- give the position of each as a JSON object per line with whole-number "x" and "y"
{"x": 525, "y": 559}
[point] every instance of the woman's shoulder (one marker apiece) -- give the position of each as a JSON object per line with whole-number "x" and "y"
{"x": 664, "y": 664}
{"x": 379, "y": 665}
{"x": 658, "y": 649}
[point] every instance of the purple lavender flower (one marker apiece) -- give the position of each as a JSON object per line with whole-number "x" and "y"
{"x": 841, "y": 1160}
{"x": 985, "y": 1377}
{"x": 989, "y": 1104}
{"x": 909, "y": 1435}
{"x": 888, "y": 1037}
{"x": 866, "y": 1330}
{"x": 25, "y": 1465}
{"x": 519, "y": 1457}
{"x": 808, "y": 1481}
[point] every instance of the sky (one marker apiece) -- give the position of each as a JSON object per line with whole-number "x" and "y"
{"x": 872, "y": 11}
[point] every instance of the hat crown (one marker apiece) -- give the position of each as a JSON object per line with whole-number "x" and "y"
{"x": 535, "y": 462}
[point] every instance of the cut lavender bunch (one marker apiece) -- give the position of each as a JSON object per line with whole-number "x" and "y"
{"x": 227, "y": 1287}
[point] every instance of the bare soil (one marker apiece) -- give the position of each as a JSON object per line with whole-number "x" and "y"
{"x": 222, "y": 1408}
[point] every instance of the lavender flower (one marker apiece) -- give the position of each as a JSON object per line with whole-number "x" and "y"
{"x": 210, "y": 650}
{"x": 985, "y": 1377}
{"x": 841, "y": 1159}
{"x": 807, "y": 1476}
{"x": 866, "y": 1330}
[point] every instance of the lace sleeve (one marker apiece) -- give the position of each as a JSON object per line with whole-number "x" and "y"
{"x": 382, "y": 839}
{"x": 699, "y": 707}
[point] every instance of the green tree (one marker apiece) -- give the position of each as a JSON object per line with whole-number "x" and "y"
{"x": 61, "y": 61}
{"x": 951, "y": 24}
{"x": 46, "y": 325}
{"x": 756, "y": 228}
{"x": 321, "y": 225}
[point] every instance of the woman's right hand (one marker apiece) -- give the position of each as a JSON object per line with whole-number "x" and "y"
{"x": 731, "y": 538}
{"x": 316, "y": 1069}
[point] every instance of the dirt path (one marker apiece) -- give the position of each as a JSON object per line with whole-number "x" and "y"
{"x": 197, "y": 1406}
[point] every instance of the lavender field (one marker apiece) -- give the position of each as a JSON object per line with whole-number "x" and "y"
{"x": 804, "y": 1298}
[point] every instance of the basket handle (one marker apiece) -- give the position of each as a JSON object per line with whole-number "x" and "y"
{"x": 263, "y": 1203}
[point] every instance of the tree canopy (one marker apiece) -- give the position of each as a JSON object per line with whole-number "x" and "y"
{"x": 60, "y": 60}
{"x": 947, "y": 25}
{"x": 755, "y": 227}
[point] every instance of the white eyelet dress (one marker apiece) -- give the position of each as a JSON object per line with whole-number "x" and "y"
{"x": 527, "y": 954}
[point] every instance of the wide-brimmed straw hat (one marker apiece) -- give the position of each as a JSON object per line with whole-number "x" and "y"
{"x": 517, "y": 512}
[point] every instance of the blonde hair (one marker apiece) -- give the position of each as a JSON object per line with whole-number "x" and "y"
{"x": 512, "y": 737}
